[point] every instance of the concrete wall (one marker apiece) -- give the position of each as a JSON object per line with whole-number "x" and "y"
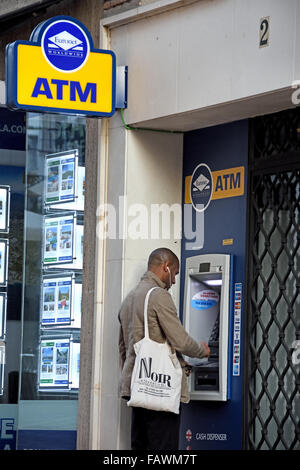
{"x": 189, "y": 62}
{"x": 145, "y": 168}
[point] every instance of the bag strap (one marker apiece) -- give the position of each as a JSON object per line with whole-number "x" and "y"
{"x": 146, "y": 332}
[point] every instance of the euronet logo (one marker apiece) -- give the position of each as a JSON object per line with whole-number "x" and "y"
{"x": 201, "y": 183}
{"x": 65, "y": 44}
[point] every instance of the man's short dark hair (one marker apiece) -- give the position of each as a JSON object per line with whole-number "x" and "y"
{"x": 160, "y": 256}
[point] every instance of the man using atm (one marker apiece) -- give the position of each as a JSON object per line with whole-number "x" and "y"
{"x": 150, "y": 429}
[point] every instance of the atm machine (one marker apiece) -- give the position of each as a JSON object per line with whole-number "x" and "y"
{"x": 206, "y": 317}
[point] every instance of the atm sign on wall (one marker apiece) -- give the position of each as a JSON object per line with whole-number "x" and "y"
{"x": 59, "y": 70}
{"x": 222, "y": 184}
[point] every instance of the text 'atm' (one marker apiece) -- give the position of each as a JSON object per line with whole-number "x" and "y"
{"x": 206, "y": 313}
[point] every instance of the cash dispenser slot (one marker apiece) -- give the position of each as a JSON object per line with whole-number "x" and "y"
{"x": 206, "y": 379}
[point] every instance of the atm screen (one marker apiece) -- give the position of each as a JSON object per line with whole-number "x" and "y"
{"x": 204, "y": 314}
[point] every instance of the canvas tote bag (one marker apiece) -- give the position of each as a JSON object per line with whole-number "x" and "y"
{"x": 157, "y": 373}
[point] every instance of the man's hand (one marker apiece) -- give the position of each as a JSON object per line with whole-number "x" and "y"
{"x": 206, "y": 348}
{"x": 188, "y": 370}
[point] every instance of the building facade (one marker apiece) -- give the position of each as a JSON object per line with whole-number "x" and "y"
{"x": 211, "y": 84}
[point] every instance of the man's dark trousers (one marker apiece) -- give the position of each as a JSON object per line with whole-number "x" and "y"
{"x": 154, "y": 430}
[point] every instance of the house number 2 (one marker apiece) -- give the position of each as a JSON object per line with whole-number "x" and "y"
{"x": 264, "y": 31}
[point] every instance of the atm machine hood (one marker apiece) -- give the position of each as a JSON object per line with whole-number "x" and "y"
{"x": 206, "y": 313}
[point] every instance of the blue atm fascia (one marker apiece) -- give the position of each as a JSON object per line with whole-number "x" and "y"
{"x": 215, "y": 425}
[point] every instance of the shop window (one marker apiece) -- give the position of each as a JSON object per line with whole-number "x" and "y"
{"x": 52, "y": 287}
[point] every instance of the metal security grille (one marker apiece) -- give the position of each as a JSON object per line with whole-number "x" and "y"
{"x": 273, "y": 307}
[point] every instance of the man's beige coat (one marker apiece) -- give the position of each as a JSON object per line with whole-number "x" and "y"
{"x": 163, "y": 324}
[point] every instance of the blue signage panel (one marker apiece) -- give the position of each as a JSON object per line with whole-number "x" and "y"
{"x": 208, "y": 425}
{"x": 46, "y": 440}
{"x": 12, "y": 130}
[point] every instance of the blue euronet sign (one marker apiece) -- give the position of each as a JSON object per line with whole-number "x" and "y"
{"x": 65, "y": 46}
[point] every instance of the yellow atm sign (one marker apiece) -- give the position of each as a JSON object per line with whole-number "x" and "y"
{"x": 228, "y": 183}
{"x": 60, "y": 71}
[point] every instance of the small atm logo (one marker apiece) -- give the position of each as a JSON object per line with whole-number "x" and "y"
{"x": 201, "y": 187}
{"x": 225, "y": 183}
